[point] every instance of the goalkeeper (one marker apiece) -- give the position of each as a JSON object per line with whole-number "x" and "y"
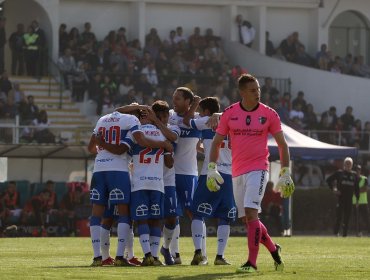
{"x": 248, "y": 124}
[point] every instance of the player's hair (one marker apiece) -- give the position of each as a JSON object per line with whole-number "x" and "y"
{"x": 211, "y": 104}
{"x": 245, "y": 79}
{"x": 186, "y": 93}
{"x": 160, "y": 106}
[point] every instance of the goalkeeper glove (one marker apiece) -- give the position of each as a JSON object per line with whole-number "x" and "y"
{"x": 285, "y": 185}
{"x": 213, "y": 178}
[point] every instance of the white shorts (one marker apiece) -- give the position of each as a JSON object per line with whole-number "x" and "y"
{"x": 249, "y": 189}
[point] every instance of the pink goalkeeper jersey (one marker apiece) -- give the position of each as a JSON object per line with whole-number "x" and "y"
{"x": 248, "y": 132}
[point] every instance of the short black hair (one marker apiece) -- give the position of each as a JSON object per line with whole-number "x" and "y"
{"x": 160, "y": 106}
{"x": 211, "y": 104}
{"x": 245, "y": 79}
{"x": 186, "y": 93}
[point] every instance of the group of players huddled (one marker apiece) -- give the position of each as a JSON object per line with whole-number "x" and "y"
{"x": 146, "y": 174}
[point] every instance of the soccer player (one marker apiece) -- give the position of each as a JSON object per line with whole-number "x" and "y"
{"x": 344, "y": 184}
{"x": 110, "y": 181}
{"x": 147, "y": 191}
{"x": 172, "y": 132}
{"x": 248, "y": 124}
{"x": 207, "y": 204}
{"x": 185, "y": 158}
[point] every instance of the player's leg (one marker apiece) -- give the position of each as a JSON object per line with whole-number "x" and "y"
{"x": 347, "y": 207}
{"x": 156, "y": 215}
{"x": 223, "y": 233}
{"x": 129, "y": 251}
{"x": 338, "y": 216}
{"x": 170, "y": 216}
{"x": 140, "y": 212}
{"x": 106, "y": 225}
{"x": 274, "y": 248}
{"x": 119, "y": 195}
{"x": 98, "y": 198}
{"x": 197, "y": 235}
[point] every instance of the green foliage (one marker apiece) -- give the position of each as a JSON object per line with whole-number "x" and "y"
{"x": 69, "y": 258}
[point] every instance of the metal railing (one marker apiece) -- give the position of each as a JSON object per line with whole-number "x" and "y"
{"x": 55, "y": 74}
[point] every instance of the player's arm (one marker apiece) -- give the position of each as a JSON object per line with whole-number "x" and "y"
{"x": 168, "y": 159}
{"x": 285, "y": 185}
{"x": 200, "y": 148}
{"x": 190, "y": 114}
{"x": 168, "y": 133}
{"x": 129, "y": 109}
{"x": 117, "y": 149}
{"x": 215, "y": 147}
{"x": 92, "y": 145}
{"x": 331, "y": 181}
{"x": 145, "y": 142}
{"x": 213, "y": 177}
{"x": 214, "y": 120}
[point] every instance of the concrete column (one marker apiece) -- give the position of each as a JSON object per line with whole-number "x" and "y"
{"x": 138, "y": 21}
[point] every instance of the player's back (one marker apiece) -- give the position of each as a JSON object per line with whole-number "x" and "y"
{"x": 148, "y": 163}
{"x": 185, "y": 158}
{"x": 114, "y": 128}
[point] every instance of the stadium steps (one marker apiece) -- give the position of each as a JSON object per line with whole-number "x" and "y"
{"x": 68, "y": 122}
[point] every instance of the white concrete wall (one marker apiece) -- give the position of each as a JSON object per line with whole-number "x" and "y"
{"x": 321, "y": 88}
{"x": 103, "y": 16}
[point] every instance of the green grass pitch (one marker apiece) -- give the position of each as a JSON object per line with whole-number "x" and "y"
{"x": 305, "y": 258}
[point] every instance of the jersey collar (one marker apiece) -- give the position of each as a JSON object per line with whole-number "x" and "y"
{"x": 254, "y": 109}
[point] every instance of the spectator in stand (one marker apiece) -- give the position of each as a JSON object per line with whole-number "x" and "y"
{"x": 17, "y": 95}
{"x": 324, "y": 128}
{"x": 196, "y": 40}
{"x": 10, "y": 110}
{"x": 180, "y": 35}
{"x": 74, "y": 39}
{"x": 332, "y": 117}
{"x": 2, "y": 43}
{"x": 28, "y": 111}
{"x": 302, "y": 57}
{"x": 151, "y": 74}
{"x": 94, "y": 87}
{"x": 144, "y": 86}
{"x": 300, "y": 99}
{"x": 41, "y": 132}
{"x": 288, "y": 48}
{"x": 41, "y": 47}
{"x": 348, "y": 119}
{"x": 69, "y": 207}
{"x": 87, "y": 35}
{"x": 322, "y": 53}
{"x": 67, "y": 66}
{"x": 214, "y": 51}
{"x": 270, "y": 49}
{"x": 365, "y": 141}
{"x": 153, "y": 36}
{"x": 109, "y": 83}
{"x": 136, "y": 50}
{"x": 163, "y": 65}
{"x": 116, "y": 57}
{"x": 80, "y": 82}
{"x": 347, "y": 64}
{"x": 171, "y": 40}
{"x": 63, "y": 38}
{"x": 178, "y": 63}
{"x": 282, "y": 111}
{"x": 111, "y": 39}
{"x": 5, "y": 83}
{"x": 286, "y": 101}
{"x": 360, "y": 68}
{"x": 10, "y": 200}
{"x": 222, "y": 97}
{"x": 310, "y": 118}
{"x": 35, "y": 211}
{"x": 279, "y": 55}
{"x": 121, "y": 35}
{"x": 209, "y": 36}
{"x": 356, "y": 134}
{"x": 105, "y": 100}
{"x": 246, "y": 31}
{"x": 152, "y": 49}
{"x": 16, "y": 44}
{"x": 335, "y": 65}
{"x": 125, "y": 86}
{"x": 297, "y": 115}
{"x": 270, "y": 90}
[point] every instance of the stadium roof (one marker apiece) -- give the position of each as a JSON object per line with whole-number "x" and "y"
{"x": 45, "y": 151}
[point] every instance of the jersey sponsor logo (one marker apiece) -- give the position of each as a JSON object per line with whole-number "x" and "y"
{"x": 234, "y": 118}
{"x": 155, "y": 210}
{"x": 94, "y": 194}
{"x": 116, "y": 194}
{"x": 248, "y": 120}
{"x": 104, "y": 160}
{"x": 262, "y": 182}
{"x": 112, "y": 119}
{"x": 141, "y": 210}
{"x": 205, "y": 208}
{"x": 151, "y": 132}
{"x": 262, "y": 120}
{"x": 248, "y": 132}
{"x": 149, "y": 178}
{"x": 232, "y": 213}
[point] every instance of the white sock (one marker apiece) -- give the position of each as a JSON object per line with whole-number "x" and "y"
{"x": 122, "y": 235}
{"x": 223, "y": 233}
{"x": 154, "y": 245}
{"x": 204, "y": 242}
{"x": 95, "y": 239}
{"x": 130, "y": 244}
{"x": 104, "y": 243}
{"x": 145, "y": 243}
{"x": 174, "y": 245}
{"x": 167, "y": 236}
{"x": 197, "y": 233}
